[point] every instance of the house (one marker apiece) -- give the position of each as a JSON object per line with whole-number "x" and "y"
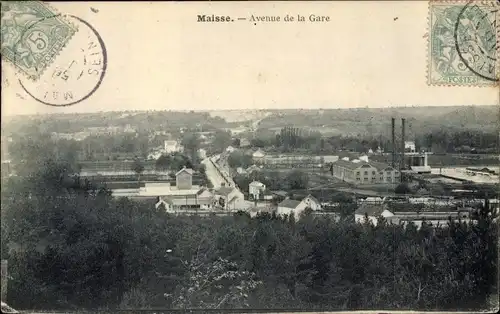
{"x": 330, "y": 159}
{"x": 363, "y": 157}
{"x": 256, "y": 189}
{"x": 154, "y": 155}
{"x": 229, "y": 198}
{"x": 312, "y": 202}
{"x": 268, "y": 195}
{"x": 289, "y": 207}
{"x": 230, "y": 149}
{"x": 244, "y": 142}
{"x": 258, "y": 155}
{"x": 240, "y": 170}
{"x": 280, "y": 195}
{"x": 202, "y": 153}
{"x": 362, "y": 172}
{"x": 372, "y": 211}
{"x": 254, "y": 211}
{"x": 172, "y": 147}
{"x": 252, "y": 168}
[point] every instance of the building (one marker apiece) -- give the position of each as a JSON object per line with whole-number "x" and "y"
{"x": 252, "y": 168}
{"x": 330, "y": 159}
{"x": 258, "y": 155}
{"x": 244, "y": 142}
{"x": 229, "y": 198}
{"x": 183, "y": 193}
{"x": 418, "y": 163}
{"x": 172, "y": 147}
{"x": 312, "y": 202}
{"x": 280, "y": 195}
{"x": 362, "y": 172}
{"x": 410, "y": 147}
{"x": 184, "y": 179}
{"x": 240, "y": 170}
{"x": 202, "y": 200}
{"x": 289, "y": 206}
{"x": 202, "y": 153}
{"x": 372, "y": 211}
{"x": 254, "y": 211}
{"x": 256, "y": 189}
{"x": 230, "y": 149}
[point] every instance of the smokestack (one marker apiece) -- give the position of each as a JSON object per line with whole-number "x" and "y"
{"x": 402, "y": 143}
{"x": 393, "y": 143}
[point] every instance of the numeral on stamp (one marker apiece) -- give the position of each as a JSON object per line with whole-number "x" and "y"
{"x": 32, "y": 35}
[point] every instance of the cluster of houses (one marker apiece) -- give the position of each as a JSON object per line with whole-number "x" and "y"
{"x": 93, "y": 131}
{"x": 170, "y": 147}
{"x": 184, "y": 197}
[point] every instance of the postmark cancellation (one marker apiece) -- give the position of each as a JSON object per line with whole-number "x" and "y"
{"x": 463, "y": 43}
{"x": 33, "y": 34}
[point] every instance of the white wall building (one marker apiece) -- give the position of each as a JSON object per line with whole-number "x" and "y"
{"x": 172, "y": 147}
{"x": 232, "y": 198}
{"x": 258, "y": 155}
{"x": 289, "y": 206}
{"x": 202, "y": 153}
{"x": 256, "y": 189}
{"x": 410, "y": 146}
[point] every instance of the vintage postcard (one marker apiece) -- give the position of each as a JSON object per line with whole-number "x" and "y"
{"x": 279, "y": 156}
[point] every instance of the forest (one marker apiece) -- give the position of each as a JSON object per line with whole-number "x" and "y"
{"x": 70, "y": 247}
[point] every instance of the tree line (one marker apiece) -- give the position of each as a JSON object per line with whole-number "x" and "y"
{"x": 70, "y": 248}
{"x": 439, "y": 141}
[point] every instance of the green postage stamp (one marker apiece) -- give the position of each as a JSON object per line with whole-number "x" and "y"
{"x": 33, "y": 34}
{"x": 463, "y": 43}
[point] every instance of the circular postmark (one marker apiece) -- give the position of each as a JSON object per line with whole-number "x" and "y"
{"x": 75, "y": 74}
{"x": 476, "y": 38}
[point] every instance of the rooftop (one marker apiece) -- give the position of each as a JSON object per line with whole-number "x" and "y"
{"x": 370, "y": 209}
{"x": 349, "y": 164}
{"x": 314, "y": 199}
{"x": 188, "y": 170}
{"x": 225, "y": 190}
{"x": 288, "y": 203}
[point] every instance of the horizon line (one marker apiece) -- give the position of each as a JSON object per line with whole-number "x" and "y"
{"x": 243, "y": 109}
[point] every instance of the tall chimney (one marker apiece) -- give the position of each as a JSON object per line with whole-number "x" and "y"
{"x": 402, "y": 143}
{"x": 393, "y": 143}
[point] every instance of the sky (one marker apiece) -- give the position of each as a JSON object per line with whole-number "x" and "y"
{"x": 370, "y": 54}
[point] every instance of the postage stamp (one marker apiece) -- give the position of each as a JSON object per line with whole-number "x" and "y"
{"x": 463, "y": 43}
{"x": 33, "y": 34}
{"x": 76, "y": 73}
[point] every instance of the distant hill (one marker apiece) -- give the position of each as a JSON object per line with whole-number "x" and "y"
{"x": 358, "y": 121}
{"x": 370, "y": 120}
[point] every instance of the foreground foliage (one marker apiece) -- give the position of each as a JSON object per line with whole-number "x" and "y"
{"x": 69, "y": 248}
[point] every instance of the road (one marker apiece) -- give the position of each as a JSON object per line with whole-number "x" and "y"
{"x": 212, "y": 173}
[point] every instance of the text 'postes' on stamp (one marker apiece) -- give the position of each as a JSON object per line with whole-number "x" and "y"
{"x": 463, "y": 43}
{"x": 32, "y": 35}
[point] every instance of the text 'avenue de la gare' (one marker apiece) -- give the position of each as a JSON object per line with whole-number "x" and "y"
{"x": 263, "y": 19}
